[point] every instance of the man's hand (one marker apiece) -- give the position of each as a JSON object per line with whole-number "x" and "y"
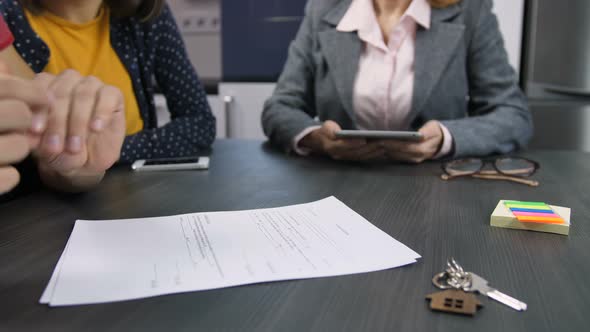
{"x": 85, "y": 131}
{"x": 324, "y": 141}
{"x": 416, "y": 152}
{"x": 23, "y": 115}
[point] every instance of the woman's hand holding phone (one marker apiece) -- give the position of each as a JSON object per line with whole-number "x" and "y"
{"x": 324, "y": 141}
{"x": 416, "y": 152}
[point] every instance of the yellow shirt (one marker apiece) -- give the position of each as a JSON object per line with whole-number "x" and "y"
{"x": 87, "y": 49}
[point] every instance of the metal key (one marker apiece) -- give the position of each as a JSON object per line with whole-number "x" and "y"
{"x": 480, "y": 285}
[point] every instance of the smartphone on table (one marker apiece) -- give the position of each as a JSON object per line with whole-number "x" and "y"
{"x": 171, "y": 164}
{"x": 412, "y": 136}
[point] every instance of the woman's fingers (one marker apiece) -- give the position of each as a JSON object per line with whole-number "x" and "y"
{"x": 357, "y": 153}
{"x": 109, "y": 103}
{"x": 24, "y": 90}
{"x": 84, "y": 98}
{"x": 9, "y": 178}
{"x": 14, "y": 147}
{"x": 53, "y": 141}
{"x": 15, "y": 115}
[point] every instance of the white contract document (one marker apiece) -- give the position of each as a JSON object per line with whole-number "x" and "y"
{"x": 119, "y": 260}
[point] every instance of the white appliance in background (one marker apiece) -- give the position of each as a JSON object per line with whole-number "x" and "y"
{"x": 510, "y": 15}
{"x": 242, "y": 103}
{"x": 216, "y": 107}
{"x": 242, "y": 107}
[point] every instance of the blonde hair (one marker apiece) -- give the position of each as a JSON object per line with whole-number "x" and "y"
{"x": 442, "y": 3}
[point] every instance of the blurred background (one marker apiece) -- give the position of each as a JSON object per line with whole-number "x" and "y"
{"x": 239, "y": 47}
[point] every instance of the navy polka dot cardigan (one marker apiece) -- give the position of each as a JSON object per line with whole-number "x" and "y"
{"x": 149, "y": 50}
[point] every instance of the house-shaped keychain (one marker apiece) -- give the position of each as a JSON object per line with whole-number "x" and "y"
{"x": 454, "y": 301}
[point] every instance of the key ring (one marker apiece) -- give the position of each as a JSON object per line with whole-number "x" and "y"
{"x": 460, "y": 283}
{"x": 436, "y": 280}
{"x": 454, "y": 268}
{"x": 444, "y": 281}
{"x": 454, "y": 277}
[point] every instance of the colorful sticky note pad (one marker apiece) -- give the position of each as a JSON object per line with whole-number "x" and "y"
{"x": 536, "y": 212}
{"x": 503, "y": 217}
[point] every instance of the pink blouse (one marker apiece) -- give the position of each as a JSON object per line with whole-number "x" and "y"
{"x": 384, "y": 85}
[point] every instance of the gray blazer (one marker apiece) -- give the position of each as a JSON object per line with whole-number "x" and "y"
{"x": 462, "y": 78}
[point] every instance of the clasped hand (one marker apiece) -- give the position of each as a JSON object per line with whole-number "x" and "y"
{"x": 324, "y": 141}
{"x": 74, "y": 127}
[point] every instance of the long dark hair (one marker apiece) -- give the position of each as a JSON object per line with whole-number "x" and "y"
{"x": 145, "y": 10}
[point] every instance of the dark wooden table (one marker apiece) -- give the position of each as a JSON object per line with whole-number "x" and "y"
{"x": 437, "y": 219}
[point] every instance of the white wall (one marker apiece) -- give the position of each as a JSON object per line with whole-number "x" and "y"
{"x": 511, "y": 18}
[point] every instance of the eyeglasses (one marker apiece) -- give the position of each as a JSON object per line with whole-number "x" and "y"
{"x": 504, "y": 168}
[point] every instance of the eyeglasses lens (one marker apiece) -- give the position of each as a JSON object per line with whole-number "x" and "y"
{"x": 464, "y": 166}
{"x": 515, "y": 166}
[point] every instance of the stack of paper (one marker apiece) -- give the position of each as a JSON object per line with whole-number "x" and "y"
{"x": 119, "y": 260}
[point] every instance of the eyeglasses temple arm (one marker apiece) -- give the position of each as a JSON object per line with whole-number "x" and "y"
{"x": 532, "y": 183}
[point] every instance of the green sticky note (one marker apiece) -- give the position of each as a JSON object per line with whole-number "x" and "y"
{"x": 525, "y": 203}
{"x": 529, "y": 207}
